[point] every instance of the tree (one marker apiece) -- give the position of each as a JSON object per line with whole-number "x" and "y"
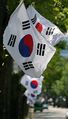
{"x": 11, "y": 93}
{"x": 60, "y": 87}
{"x": 55, "y": 11}
{"x": 63, "y": 88}
{"x": 3, "y": 65}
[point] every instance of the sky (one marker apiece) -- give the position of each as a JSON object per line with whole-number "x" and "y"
{"x": 64, "y": 52}
{"x": 66, "y": 36}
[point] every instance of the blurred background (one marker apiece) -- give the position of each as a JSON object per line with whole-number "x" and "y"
{"x": 55, "y": 83}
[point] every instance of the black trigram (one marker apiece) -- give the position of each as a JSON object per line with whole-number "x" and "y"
{"x": 25, "y": 25}
{"x": 26, "y": 83}
{"x": 50, "y": 31}
{"x": 28, "y": 65}
{"x": 12, "y": 40}
{"x": 41, "y": 49}
{"x": 34, "y": 19}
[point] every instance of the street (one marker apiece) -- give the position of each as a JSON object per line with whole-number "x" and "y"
{"x": 51, "y": 113}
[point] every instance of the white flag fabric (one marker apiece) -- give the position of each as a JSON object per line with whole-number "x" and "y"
{"x": 34, "y": 85}
{"x": 47, "y": 29}
{"x": 25, "y": 44}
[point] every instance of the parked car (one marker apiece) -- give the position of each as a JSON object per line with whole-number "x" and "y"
{"x": 60, "y": 101}
{"x": 40, "y": 106}
{"x": 45, "y": 106}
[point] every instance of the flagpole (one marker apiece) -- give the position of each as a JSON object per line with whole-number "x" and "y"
{"x": 31, "y": 113}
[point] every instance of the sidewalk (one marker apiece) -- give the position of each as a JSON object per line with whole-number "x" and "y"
{"x": 56, "y": 109}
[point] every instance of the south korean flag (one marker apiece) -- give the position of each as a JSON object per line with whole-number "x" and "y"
{"x": 33, "y": 85}
{"x": 46, "y": 28}
{"x": 19, "y": 40}
{"x": 24, "y": 43}
{"x": 31, "y": 98}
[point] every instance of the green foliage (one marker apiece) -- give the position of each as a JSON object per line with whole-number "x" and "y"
{"x": 57, "y": 12}
{"x": 12, "y": 4}
{"x": 54, "y": 70}
{"x": 64, "y": 78}
{"x": 61, "y": 45}
{"x": 60, "y": 87}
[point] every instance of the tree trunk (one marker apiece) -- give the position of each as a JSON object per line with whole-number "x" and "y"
{"x": 12, "y": 104}
{"x": 5, "y": 67}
